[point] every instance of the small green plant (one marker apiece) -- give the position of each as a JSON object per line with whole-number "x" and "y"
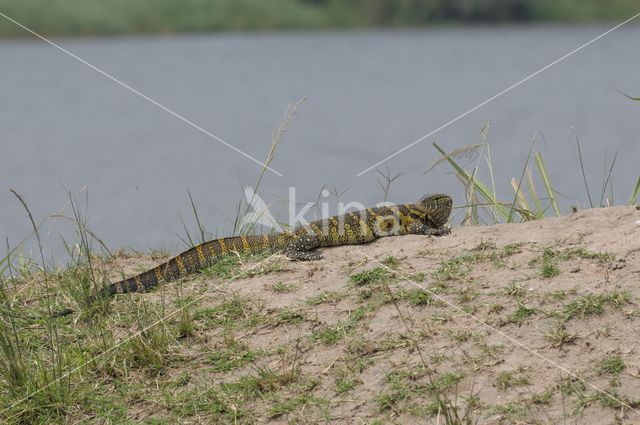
{"x": 330, "y": 335}
{"x": 186, "y": 326}
{"x": 612, "y": 364}
{"x": 594, "y": 304}
{"x": 445, "y": 381}
{"x": 282, "y": 288}
{"x": 345, "y": 381}
{"x": 543, "y": 397}
{"x": 549, "y": 264}
{"x": 512, "y": 410}
{"x": 418, "y": 297}
{"x": 231, "y": 357}
{"x": 508, "y": 379}
{"x": 288, "y": 315}
{"x": 454, "y": 268}
{"x": 558, "y": 336}
{"x": 284, "y": 407}
{"x": 391, "y": 261}
{"x": 520, "y": 315}
{"x": 397, "y": 393}
{"x": 233, "y": 312}
{"x": 150, "y": 350}
{"x": 325, "y": 297}
{"x": 460, "y": 335}
{"x": 570, "y": 385}
{"x": 515, "y": 290}
{"x": 370, "y": 276}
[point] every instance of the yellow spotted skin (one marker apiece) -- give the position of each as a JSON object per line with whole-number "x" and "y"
{"x": 428, "y": 216}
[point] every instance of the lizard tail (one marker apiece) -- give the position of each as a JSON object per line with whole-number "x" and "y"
{"x": 198, "y": 257}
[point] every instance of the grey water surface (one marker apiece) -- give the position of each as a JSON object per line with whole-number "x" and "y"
{"x": 65, "y": 126}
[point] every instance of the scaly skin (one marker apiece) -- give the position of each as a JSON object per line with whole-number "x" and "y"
{"x": 426, "y": 217}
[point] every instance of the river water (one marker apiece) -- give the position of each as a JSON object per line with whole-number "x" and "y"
{"x": 368, "y": 94}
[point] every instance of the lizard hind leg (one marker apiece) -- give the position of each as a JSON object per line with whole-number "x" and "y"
{"x": 303, "y": 255}
{"x": 301, "y": 249}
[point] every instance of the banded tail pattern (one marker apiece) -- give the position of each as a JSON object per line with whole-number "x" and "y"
{"x": 196, "y": 258}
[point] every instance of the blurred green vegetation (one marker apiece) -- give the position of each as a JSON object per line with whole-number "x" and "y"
{"x": 87, "y": 17}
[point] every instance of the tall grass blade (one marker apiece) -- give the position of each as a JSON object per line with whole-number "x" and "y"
{"x": 189, "y": 241}
{"x": 475, "y": 213}
{"x": 201, "y": 229}
{"x": 630, "y": 97}
{"x": 515, "y": 197}
{"x": 533, "y": 191}
{"x": 634, "y": 192}
{"x": 491, "y": 176}
{"x": 5, "y": 262}
{"x": 35, "y": 231}
{"x": 522, "y": 200}
{"x": 276, "y": 137}
{"x": 584, "y": 175}
{"x": 542, "y": 169}
{"x": 607, "y": 180}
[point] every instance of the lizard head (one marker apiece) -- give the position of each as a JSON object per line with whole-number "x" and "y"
{"x": 436, "y": 209}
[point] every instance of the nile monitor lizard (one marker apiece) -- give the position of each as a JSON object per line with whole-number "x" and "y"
{"x": 428, "y": 216}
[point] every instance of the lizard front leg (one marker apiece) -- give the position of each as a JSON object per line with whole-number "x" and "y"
{"x": 417, "y": 228}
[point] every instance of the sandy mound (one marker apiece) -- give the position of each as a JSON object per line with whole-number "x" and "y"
{"x": 521, "y": 323}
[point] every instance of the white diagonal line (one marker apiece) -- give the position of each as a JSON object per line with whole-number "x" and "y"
{"x": 498, "y": 331}
{"x": 142, "y": 95}
{"x": 511, "y": 87}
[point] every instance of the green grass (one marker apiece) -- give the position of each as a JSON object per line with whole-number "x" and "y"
{"x": 558, "y": 336}
{"x": 594, "y": 304}
{"x": 519, "y": 316}
{"x": 445, "y": 381}
{"x": 391, "y": 262}
{"x": 345, "y": 381}
{"x": 288, "y": 315}
{"x": 550, "y": 259}
{"x": 366, "y": 277}
{"x": 403, "y": 386}
{"x": 332, "y": 334}
{"x": 418, "y": 297}
{"x": 543, "y": 397}
{"x": 238, "y": 311}
{"x": 515, "y": 290}
{"x": 612, "y": 364}
{"x": 508, "y": 379}
{"x": 398, "y": 392}
{"x": 228, "y": 402}
{"x": 299, "y": 402}
{"x": 283, "y": 288}
{"x": 234, "y": 355}
{"x": 226, "y": 268}
{"x": 325, "y": 297}
{"x": 534, "y": 196}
